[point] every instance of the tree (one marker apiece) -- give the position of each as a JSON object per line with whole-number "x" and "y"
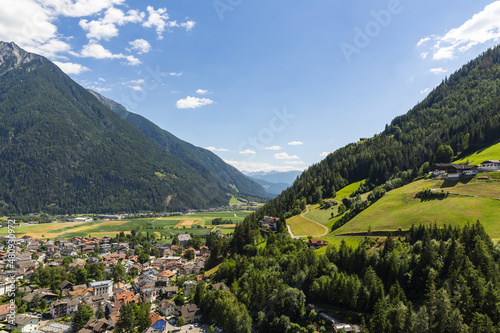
{"x": 155, "y": 252}
{"x": 444, "y": 154}
{"x": 118, "y": 273}
{"x": 100, "y": 311}
{"x": 189, "y": 255}
{"x": 127, "y": 320}
{"x": 143, "y": 320}
{"x": 81, "y": 317}
{"x": 211, "y": 329}
{"x": 181, "y": 321}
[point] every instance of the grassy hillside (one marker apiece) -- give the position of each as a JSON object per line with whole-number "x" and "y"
{"x": 490, "y": 153}
{"x": 468, "y": 202}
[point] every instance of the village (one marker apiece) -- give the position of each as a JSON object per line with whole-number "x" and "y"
{"x": 156, "y": 281}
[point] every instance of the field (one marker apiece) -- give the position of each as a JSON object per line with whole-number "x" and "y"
{"x": 351, "y": 241}
{"x": 197, "y": 224}
{"x": 400, "y": 209}
{"x": 303, "y": 227}
{"x": 490, "y": 153}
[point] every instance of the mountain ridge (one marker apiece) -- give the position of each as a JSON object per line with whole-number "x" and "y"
{"x": 63, "y": 151}
{"x": 198, "y": 158}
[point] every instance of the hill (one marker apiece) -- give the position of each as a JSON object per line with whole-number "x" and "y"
{"x": 489, "y": 153}
{"x": 469, "y": 200}
{"x": 462, "y": 112}
{"x": 203, "y": 160}
{"x": 62, "y": 151}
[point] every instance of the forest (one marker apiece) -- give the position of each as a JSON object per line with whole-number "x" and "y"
{"x": 436, "y": 279}
{"x": 458, "y": 117}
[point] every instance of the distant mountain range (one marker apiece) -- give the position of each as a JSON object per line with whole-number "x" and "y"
{"x": 274, "y": 182}
{"x": 63, "y": 151}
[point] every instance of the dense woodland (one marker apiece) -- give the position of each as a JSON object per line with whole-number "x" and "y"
{"x": 62, "y": 151}
{"x": 433, "y": 280}
{"x": 463, "y": 113}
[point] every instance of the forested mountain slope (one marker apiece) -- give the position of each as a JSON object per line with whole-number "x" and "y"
{"x": 463, "y": 112}
{"x": 201, "y": 159}
{"x": 62, "y": 151}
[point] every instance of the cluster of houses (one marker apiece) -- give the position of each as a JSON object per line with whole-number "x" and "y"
{"x": 457, "y": 171}
{"x": 154, "y": 281}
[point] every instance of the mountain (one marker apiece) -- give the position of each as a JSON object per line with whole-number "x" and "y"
{"x": 287, "y": 177}
{"x": 272, "y": 188}
{"x": 63, "y": 151}
{"x": 200, "y": 159}
{"x": 463, "y": 112}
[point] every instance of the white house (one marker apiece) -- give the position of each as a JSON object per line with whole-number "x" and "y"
{"x": 491, "y": 164}
{"x": 102, "y": 287}
{"x": 26, "y": 323}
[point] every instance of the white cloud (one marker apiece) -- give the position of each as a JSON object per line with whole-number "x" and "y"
{"x": 101, "y": 79}
{"x": 273, "y": 148}
{"x": 71, "y": 68}
{"x": 176, "y": 74}
{"x": 438, "y": 71}
{"x": 105, "y": 28}
{"x": 97, "y": 51}
{"x": 425, "y": 91}
{"x": 295, "y": 143}
{"x": 216, "y": 149}
{"x": 99, "y": 30}
{"x": 324, "y": 154}
{"x": 285, "y": 156}
{"x": 247, "y": 166}
{"x": 424, "y": 55}
{"x": 189, "y": 25}
{"x": 248, "y": 152}
{"x": 423, "y": 41}
{"x": 159, "y": 19}
{"x": 193, "y": 102}
{"x": 483, "y": 27}
{"x": 294, "y": 162}
{"x": 140, "y": 45}
{"x": 29, "y": 25}
{"x": 202, "y": 92}
{"x": 79, "y": 8}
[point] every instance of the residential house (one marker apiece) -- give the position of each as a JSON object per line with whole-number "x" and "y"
{"x": 171, "y": 291}
{"x": 5, "y": 310}
{"x": 95, "y": 325}
{"x": 189, "y": 287}
{"x": 167, "y": 308}
{"x": 316, "y": 243}
{"x": 191, "y": 313}
{"x": 454, "y": 171}
{"x": 44, "y": 293}
{"x": 63, "y": 307}
{"x": 102, "y": 287}
{"x": 490, "y": 165}
{"x": 26, "y": 323}
{"x": 158, "y": 322}
{"x": 268, "y": 222}
{"x": 184, "y": 240}
{"x": 204, "y": 251}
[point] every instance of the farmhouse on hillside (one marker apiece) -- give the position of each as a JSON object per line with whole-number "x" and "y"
{"x": 269, "y": 223}
{"x": 454, "y": 171}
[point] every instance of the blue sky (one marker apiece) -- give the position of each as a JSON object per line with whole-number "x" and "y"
{"x": 266, "y": 85}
